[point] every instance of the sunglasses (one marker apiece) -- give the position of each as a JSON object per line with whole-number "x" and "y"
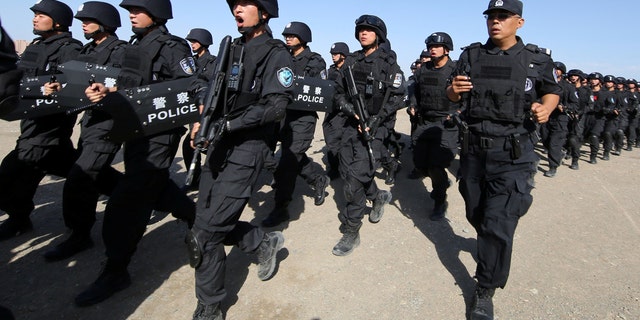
{"x": 370, "y": 20}
{"x": 499, "y": 15}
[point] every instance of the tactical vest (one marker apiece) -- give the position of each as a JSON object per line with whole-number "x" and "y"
{"x": 35, "y": 60}
{"x": 433, "y": 84}
{"x": 503, "y": 85}
{"x": 99, "y": 57}
{"x": 251, "y": 77}
{"x": 137, "y": 62}
{"x": 372, "y": 81}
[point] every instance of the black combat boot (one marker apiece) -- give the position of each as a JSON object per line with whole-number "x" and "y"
{"x": 392, "y": 170}
{"x": 76, "y": 243}
{"x": 593, "y": 159}
{"x": 439, "y": 211}
{"x": 209, "y": 312}
{"x": 383, "y": 197}
{"x": 279, "y": 215}
{"x": 113, "y": 278}
{"x": 13, "y": 227}
{"x": 630, "y": 145}
{"x": 267, "y": 250}
{"x": 574, "y": 164}
{"x": 551, "y": 172}
{"x": 605, "y": 156}
{"x": 349, "y": 241}
{"x": 616, "y": 152}
{"x": 482, "y": 306}
{"x": 320, "y": 188}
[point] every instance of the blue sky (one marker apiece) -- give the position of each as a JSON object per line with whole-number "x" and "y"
{"x": 589, "y": 35}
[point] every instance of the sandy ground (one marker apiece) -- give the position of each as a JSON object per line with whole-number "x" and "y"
{"x": 576, "y": 256}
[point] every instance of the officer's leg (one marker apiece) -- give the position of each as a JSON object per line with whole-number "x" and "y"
{"x": 18, "y": 184}
{"x": 607, "y": 136}
{"x": 187, "y": 157}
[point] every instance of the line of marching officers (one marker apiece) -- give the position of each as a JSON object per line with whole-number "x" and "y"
{"x": 490, "y": 106}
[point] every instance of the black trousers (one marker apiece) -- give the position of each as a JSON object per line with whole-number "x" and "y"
{"x": 557, "y": 129}
{"x": 497, "y": 192}
{"x": 227, "y": 182}
{"x": 296, "y": 136}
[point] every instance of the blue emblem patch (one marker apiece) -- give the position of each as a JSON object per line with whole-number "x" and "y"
{"x": 285, "y": 77}
{"x": 188, "y": 65}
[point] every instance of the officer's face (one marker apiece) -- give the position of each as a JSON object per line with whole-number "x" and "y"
{"x": 42, "y": 22}
{"x": 139, "y": 18}
{"x": 335, "y": 57}
{"x": 246, "y": 13}
{"x": 609, "y": 84}
{"x": 594, "y": 82}
{"x": 437, "y": 50}
{"x": 90, "y": 26}
{"x": 574, "y": 79}
{"x": 366, "y": 36}
{"x": 503, "y": 25}
{"x": 195, "y": 46}
{"x": 291, "y": 40}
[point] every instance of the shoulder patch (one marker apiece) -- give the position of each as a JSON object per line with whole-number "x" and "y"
{"x": 397, "y": 80}
{"x": 285, "y": 77}
{"x": 188, "y": 65}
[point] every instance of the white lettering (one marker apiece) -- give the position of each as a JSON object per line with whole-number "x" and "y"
{"x": 172, "y": 113}
{"x": 309, "y": 98}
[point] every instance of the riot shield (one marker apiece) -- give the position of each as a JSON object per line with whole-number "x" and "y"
{"x": 312, "y": 94}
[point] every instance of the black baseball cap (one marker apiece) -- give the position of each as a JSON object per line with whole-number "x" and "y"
{"x": 513, "y": 6}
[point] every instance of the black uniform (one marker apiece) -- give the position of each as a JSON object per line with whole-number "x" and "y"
{"x": 496, "y": 172}
{"x": 233, "y": 166}
{"x": 92, "y": 174}
{"x": 332, "y": 129}
{"x": 557, "y": 128}
{"x": 205, "y": 64}
{"x": 632, "y": 135}
{"x": 611, "y": 113}
{"x": 435, "y": 138}
{"x": 296, "y": 136}
{"x": 577, "y": 122}
{"x": 146, "y": 185}
{"x": 374, "y": 75}
{"x": 44, "y": 145}
{"x": 594, "y": 119}
{"x": 625, "y": 105}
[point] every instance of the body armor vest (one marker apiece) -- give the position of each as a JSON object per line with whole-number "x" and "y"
{"x": 137, "y": 63}
{"x": 433, "y": 84}
{"x": 36, "y": 60}
{"x": 371, "y": 81}
{"x": 99, "y": 57}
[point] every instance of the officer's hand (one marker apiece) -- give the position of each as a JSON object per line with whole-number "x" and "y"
{"x": 96, "y": 92}
{"x": 194, "y": 133}
{"x": 540, "y": 112}
{"x": 373, "y": 123}
{"x": 51, "y": 87}
{"x": 411, "y": 111}
{"x": 461, "y": 84}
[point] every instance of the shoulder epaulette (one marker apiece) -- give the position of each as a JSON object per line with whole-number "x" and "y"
{"x": 535, "y": 49}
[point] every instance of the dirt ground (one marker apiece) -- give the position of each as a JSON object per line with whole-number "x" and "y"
{"x": 576, "y": 256}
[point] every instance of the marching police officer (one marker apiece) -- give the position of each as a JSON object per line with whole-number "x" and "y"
{"x": 234, "y": 165}
{"x": 374, "y": 72}
{"x": 625, "y": 105}
{"x": 297, "y": 131}
{"x": 594, "y": 116}
{"x": 557, "y": 127}
{"x": 435, "y": 139}
{"x": 632, "y": 112}
{"x": 153, "y": 55}
{"x": 92, "y": 173}
{"x": 334, "y": 120}
{"x": 44, "y": 145}
{"x": 200, "y": 40}
{"x": 577, "y": 121}
{"x": 611, "y": 113}
{"x": 509, "y": 85}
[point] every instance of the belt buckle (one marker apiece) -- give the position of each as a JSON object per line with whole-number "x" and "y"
{"x": 486, "y": 143}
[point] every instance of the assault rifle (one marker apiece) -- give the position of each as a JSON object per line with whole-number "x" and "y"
{"x": 360, "y": 111}
{"x": 213, "y": 120}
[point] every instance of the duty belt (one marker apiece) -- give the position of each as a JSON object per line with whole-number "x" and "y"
{"x": 489, "y": 142}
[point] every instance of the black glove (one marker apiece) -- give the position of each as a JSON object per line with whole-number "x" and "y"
{"x": 373, "y": 123}
{"x": 348, "y": 109}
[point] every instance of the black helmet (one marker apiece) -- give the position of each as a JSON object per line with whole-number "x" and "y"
{"x": 425, "y": 53}
{"x": 203, "y": 36}
{"x": 609, "y": 78}
{"x": 560, "y": 66}
{"x": 298, "y": 29}
{"x": 59, "y": 12}
{"x": 576, "y": 72}
{"x": 341, "y": 48}
{"x": 414, "y": 66}
{"x": 595, "y": 75}
{"x": 160, "y": 9}
{"x": 102, "y": 12}
{"x": 621, "y": 80}
{"x": 270, "y": 6}
{"x": 631, "y": 81}
{"x": 374, "y": 23}
{"x": 440, "y": 38}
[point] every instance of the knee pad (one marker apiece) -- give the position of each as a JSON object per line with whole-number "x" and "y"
{"x": 194, "y": 249}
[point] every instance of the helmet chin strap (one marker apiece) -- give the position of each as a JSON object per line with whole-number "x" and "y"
{"x": 142, "y": 31}
{"x": 90, "y": 35}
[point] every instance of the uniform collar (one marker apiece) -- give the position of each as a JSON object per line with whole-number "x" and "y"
{"x": 493, "y": 49}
